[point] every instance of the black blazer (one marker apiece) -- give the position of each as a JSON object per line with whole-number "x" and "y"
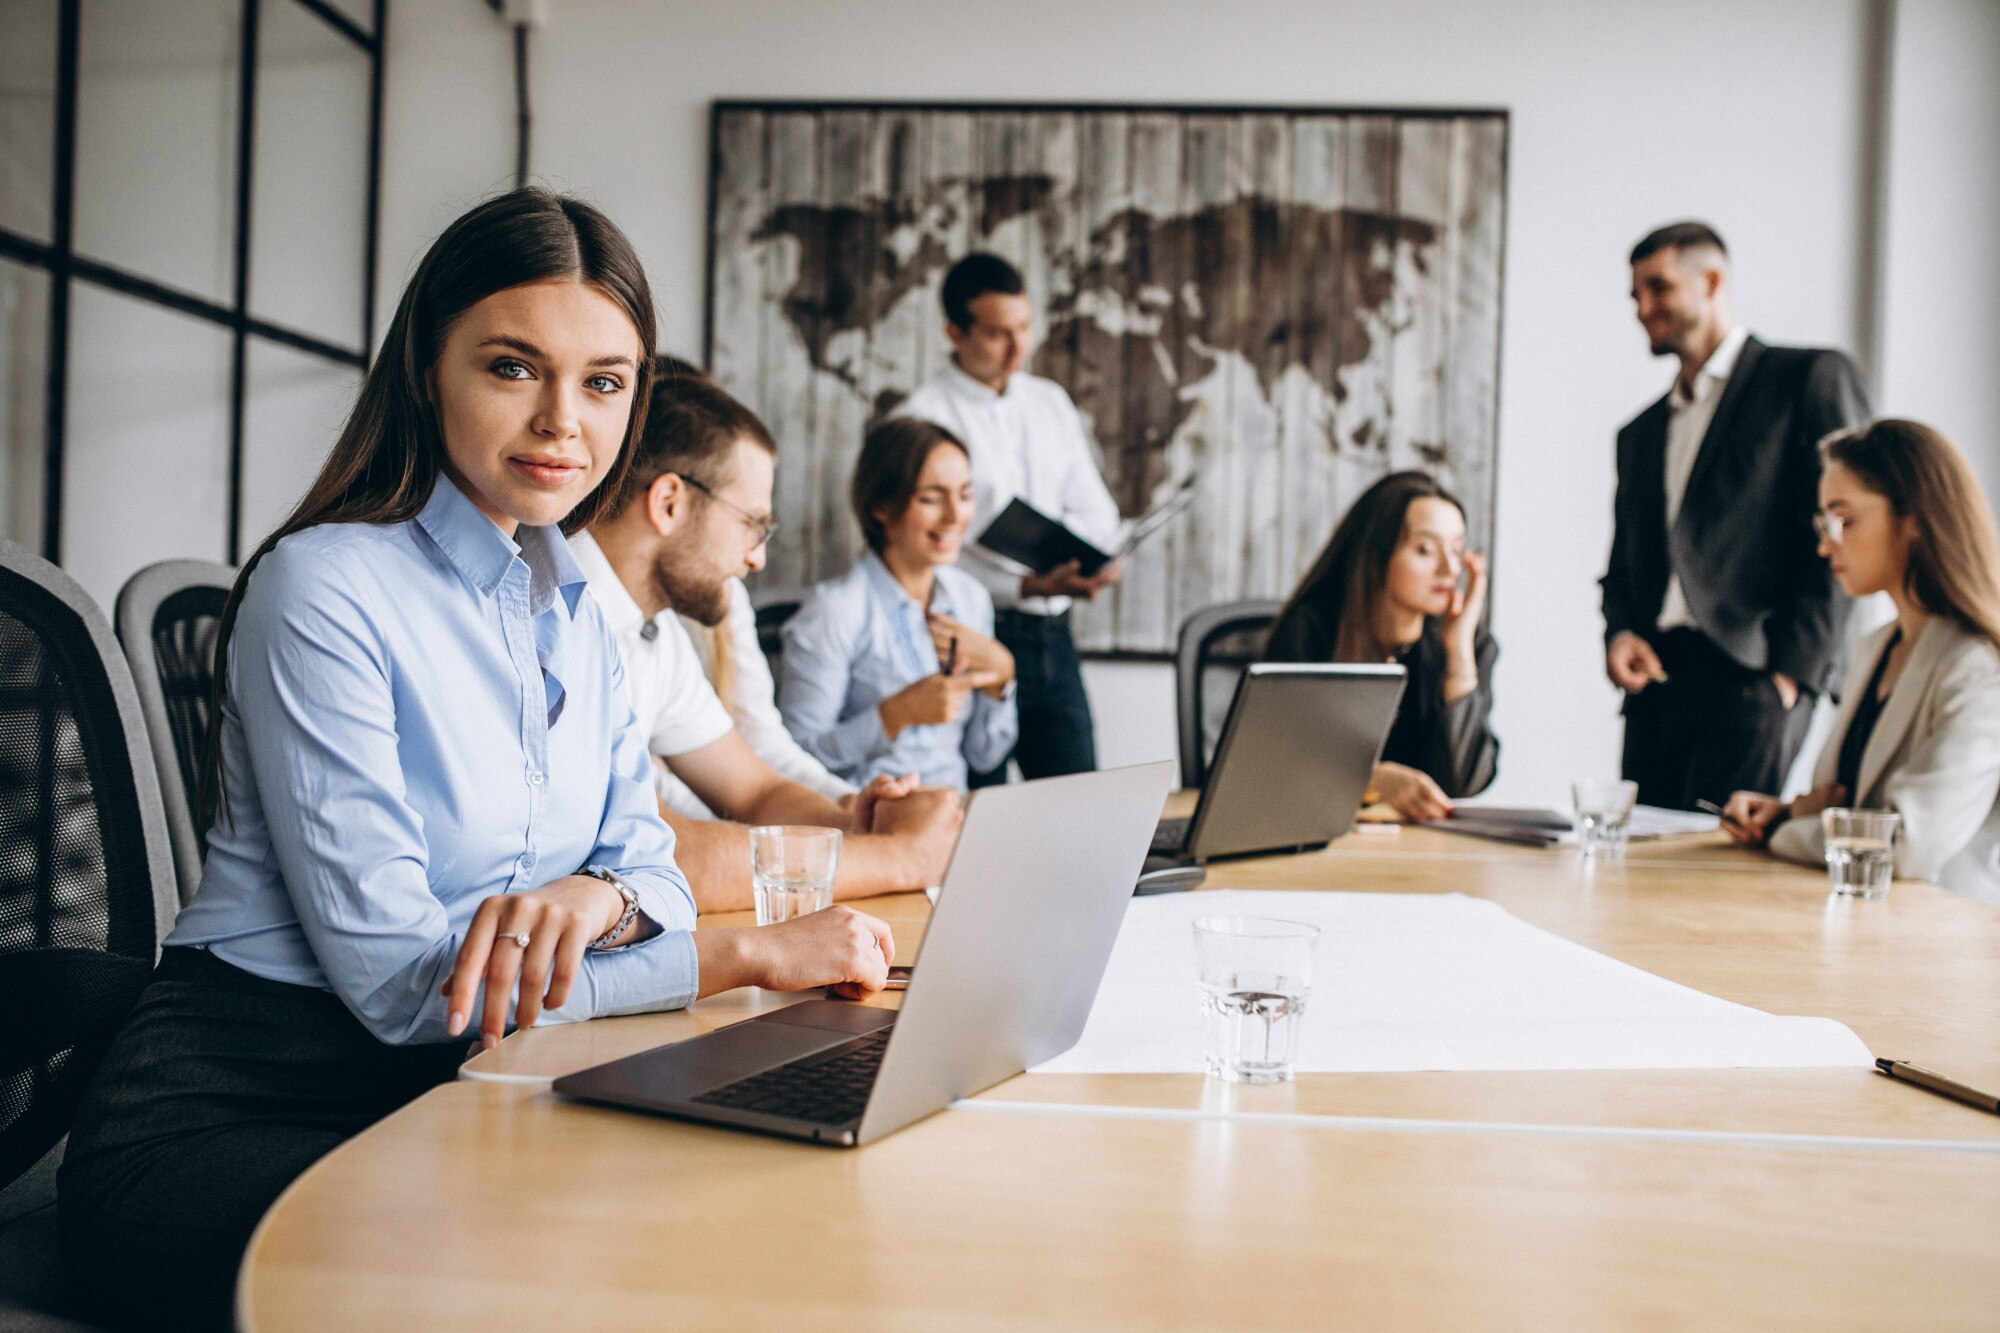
{"x": 1451, "y": 742}
{"x": 1743, "y": 540}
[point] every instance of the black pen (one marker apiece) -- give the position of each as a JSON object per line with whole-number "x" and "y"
{"x": 1719, "y": 813}
{"x": 951, "y": 656}
{"x": 1938, "y": 1083}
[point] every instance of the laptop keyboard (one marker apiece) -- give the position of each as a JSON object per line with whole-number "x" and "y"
{"x": 1171, "y": 835}
{"x": 830, "y": 1092}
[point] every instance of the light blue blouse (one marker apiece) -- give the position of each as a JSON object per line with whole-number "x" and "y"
{"x": 859, "y": 639}
{"x": 422, "y": 715}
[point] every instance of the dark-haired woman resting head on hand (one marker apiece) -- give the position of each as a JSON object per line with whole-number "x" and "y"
{"x": 1396, "y": 584}
{"x": 432, "y": 807}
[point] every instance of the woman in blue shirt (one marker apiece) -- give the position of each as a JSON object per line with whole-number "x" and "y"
{"x": 431, "y": 803}
{"x": 893, "y": 668}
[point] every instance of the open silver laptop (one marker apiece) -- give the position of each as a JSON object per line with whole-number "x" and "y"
{"x": 1293, "y": 763}
{"x": 1031, "y": 905}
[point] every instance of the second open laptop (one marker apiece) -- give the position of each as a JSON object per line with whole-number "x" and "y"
{"x": 1293, "y": 764}
{"x": 1031, "y": 904}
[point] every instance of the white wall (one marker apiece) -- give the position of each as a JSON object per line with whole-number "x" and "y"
{"x": 1624, "y": 117}
{"x": 1942, "y": 270}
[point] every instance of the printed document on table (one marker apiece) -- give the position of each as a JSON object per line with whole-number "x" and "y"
{"x": 1433, "y": 981}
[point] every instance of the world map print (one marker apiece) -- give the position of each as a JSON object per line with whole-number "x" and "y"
{"x": 1285, "y": 305}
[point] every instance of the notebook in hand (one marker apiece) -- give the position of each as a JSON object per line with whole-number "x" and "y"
{"x": 1026, "y": 535}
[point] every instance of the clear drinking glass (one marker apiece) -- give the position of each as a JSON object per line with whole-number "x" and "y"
{"x": 1603, "y": 814}
{"x": 1860, "y": 850}
{"x": 791, "y": 869}
{"x": 1255, "y": 973}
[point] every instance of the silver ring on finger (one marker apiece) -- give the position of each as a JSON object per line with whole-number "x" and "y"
{"x": 519, "y": 937}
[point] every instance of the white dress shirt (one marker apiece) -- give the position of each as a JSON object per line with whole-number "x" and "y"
{"x": 753, "y": 706}
{"x": 1687, "y": 425}
{"x": 1029, "y": 442}
{"x": 676, "y": 706}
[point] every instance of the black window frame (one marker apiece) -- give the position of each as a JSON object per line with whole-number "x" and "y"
{"x": 58, "y": 258}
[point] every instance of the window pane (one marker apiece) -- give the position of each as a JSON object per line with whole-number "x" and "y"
{"x": 296, "y": 406}
{"x": 308, "y": 228}
{"x": 146, "y": 452}
{"x": 24, "y": 363}
{"x": 28, "y": 116}
{"x": 156, "y": 141}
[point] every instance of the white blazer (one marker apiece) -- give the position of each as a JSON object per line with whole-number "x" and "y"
{"x": 1934, "y": 758}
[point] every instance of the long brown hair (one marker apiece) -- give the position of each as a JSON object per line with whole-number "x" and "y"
{"x": 385, "y": 464}
{"x": 1954, "y": 568}
{"x": 1346, "y": 585}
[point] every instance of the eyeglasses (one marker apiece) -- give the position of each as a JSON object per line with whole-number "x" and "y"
{"x": 765, "y": 528}
{"x": 1830, "y": 527}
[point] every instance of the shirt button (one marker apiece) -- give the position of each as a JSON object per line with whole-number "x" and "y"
{"x": 534, "y": 779}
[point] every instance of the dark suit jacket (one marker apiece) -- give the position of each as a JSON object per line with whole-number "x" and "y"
{"x": 1743, "y": 540}
{"x": 1451, "y": 742}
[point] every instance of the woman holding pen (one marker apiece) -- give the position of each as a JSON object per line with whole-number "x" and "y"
{"x": 893, "y": 667}
{"x": 1901, "y": 512}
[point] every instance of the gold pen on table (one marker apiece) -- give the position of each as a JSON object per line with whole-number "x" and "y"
{"x": 1931, "y": 1081}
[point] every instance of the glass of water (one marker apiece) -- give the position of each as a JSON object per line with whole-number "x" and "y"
{"x": 1255, "y": 973}
{"x": 1860, "y": 850}
{"x": 1603, "y": 814}
{"x": 791, "y": 869}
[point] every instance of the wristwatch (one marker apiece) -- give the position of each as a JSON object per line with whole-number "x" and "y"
{"x": 625, "y": 891}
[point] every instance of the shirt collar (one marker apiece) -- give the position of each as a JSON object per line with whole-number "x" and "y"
{"x": 887, "y": 590}
{"x": 977, "y": 390}
{"x": 1719, "y": 366}
{"x": 621, "y": 611}
{"x": 478, "y": 549}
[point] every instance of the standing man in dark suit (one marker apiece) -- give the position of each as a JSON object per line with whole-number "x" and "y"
{"x": 1721, "y": 623}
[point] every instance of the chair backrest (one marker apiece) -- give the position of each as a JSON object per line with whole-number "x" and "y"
{"x": 774, "y": 607}
{"x": 168, "y": 615}
{"x": 1216, "y": 643}
{"x": 86, "y": 876}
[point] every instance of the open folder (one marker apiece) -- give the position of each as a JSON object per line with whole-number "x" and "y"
{"x": 1027, "y": 536}
{"x": 1534, "y": 827}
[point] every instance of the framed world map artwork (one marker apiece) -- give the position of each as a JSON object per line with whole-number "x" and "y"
{"x": 1283, "y": 303}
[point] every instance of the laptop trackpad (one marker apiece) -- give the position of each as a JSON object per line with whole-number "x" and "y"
{"x": 855, "y": 1020}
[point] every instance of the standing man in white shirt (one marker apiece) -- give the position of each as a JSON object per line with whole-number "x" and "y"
{"x": 1026, "y": 440}
{"x": 1722, "y": 624}
{"x": 695, "y": 515}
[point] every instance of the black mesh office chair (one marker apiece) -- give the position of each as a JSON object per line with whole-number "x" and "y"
{"x": 1216, "y": 643}
{"x": 168, "y": 615}
{"x": 86, "y": 892}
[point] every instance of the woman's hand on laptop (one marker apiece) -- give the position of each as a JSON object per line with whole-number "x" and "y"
{"x": 1410, "y": 792}
{"x": 840, "y": 948}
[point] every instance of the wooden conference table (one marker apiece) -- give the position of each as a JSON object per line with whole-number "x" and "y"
{"x": 1724, "y": 1198}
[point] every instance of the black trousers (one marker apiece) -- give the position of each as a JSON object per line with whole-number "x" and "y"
{"x": 1057, "y": 735}
{"x": 218, "y": 1092}
{"x": 1713, "y": 728}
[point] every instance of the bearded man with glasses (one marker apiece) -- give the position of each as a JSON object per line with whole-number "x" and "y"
{"x": 694, "y": 519}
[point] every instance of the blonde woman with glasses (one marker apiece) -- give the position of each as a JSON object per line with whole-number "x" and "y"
{"x": 1900, "y": 512}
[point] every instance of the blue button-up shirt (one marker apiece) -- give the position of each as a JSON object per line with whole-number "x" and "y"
{"x": 861, "y": 638}
{"x": 420, "y": 716}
